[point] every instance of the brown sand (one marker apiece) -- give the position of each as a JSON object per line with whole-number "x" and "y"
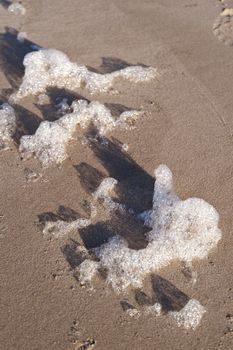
{"x": 188, "y": 127}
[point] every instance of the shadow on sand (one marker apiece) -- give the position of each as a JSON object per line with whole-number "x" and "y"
{"x": 5, "y": 3}
{"x": 12, "y": 52}
{"x": 163, "y": 292}
{"x": 112, "y": 64}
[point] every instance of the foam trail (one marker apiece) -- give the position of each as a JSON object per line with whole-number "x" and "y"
{"x": 49, "y": 142}
{"x": 49, "y": 67}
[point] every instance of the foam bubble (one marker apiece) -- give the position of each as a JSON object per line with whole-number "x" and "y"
{"x": 104, "y": 192}
{"x": 190, "y": 315}
{"x": 50, "y": 67}
{"x": 227, "y": 12}
{"x": 154, "y": 309}
{"x": 7, "y": 124}
{"x": 87, "y": 270}
{"x": 125, "y": 147}
{"x": 17, "y": 9}
{"x": 181, "y": 230}
{"x": 133, "y": 313}
{"x": 49, "y": 142}
{"x": 47, "y": 145}
{"x": 105, "y": 188}
{"x": 21, "y": 36}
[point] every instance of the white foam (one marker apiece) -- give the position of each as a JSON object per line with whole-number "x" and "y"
{"x": 7, "y": 124}
{"x": 155, "y": 309}
{"x": 190, "y": 316}
{"x": 134, "y": 313}
{"x": 48, "y": 144}
{"x": 17, "y": 9}
{"x": 60, "y": 228}
{"x": 50, "y": 67}
{"x": 125, "y": 147}
{"x": 87, "y": 270}
{"x": 227, "y": 12}
{"x": 181, "y": 230}
{"x": 104, "y": 192}
{"x": 50, "y": 141}
{"x": 105, "y": 188}
{"x": 21, "y": 36}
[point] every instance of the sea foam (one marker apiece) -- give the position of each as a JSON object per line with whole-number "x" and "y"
{"x": 49, "y": 142}
{"x": 60, "y": 228}
{"x": 190, "y": 315}
{"x": 181, "y": 230}
{"x": 49, "y": 67}
{"x": 17, "y": 8}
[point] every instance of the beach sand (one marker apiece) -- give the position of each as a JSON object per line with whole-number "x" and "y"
{"x": 187, "y": 125}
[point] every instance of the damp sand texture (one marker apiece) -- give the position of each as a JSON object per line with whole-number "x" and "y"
{"x": 60, "y": 210}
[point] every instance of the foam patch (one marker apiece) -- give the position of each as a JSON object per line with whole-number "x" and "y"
{"x": 17, "y": 9}
{"x": 49, "y": 67}
{"x": 182, "y": 230}
{"x": 49, "y": 143}
{"x": 190, "y": 315}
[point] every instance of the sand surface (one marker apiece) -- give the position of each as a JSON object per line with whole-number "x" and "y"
{"x": 188, "y": 125}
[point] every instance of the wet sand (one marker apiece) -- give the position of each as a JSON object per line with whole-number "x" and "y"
{"x": 187, "y": 125}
